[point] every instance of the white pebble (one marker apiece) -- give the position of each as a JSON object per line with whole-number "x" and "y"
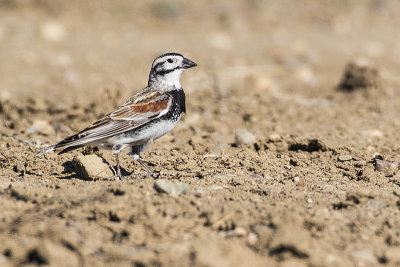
{"x": 244, "y": 137}
{"x": 252, "y": 238}
{"x": 53, "y": 31}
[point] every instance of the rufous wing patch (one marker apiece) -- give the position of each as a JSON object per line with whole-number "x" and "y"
{"x": 150, "y": 107}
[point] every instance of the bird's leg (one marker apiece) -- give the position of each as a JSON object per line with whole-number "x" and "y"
{"x": 138, "y": 159}
{"x": 149, "y": 171}
{"x": 119, "y": 174}
{"x": 116, "y": 149}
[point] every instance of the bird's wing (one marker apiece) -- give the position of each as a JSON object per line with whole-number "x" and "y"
{"x": 135, "y": 112}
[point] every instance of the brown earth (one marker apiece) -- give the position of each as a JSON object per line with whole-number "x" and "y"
{"x": 295, "y": 197}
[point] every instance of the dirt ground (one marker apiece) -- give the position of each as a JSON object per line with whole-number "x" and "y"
{"x": 306, "y": 192}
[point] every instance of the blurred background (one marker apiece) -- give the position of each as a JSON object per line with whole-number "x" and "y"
{"x": 58, "y": 47}
{"x": 70, "y": 54}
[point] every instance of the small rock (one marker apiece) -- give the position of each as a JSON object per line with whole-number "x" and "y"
{"x": 92, "y": 167}
{"x": 262, "y": 83}
{"x": 171, "y": 188}
{"x": 274, "y": 137}
{"x": 372, "y": 133}
{"x": 306, "y": 76}
{"x": 364, "y": 255}
{"x": 216, "y": 187}
{"x": 41, "y": 126}
{"x": 252, "y": 239}
{"x": 310, "y": 201}
{"x": 53, "y": 31}
{"x": 388, "y": 168}
{"x": 240, "y": 231}
{"x": 296, "y": 179}
{"x": 20, "y": 167}
{"x": 243, "y": 136}
{"x": 5, "y": 95}
{"x": 345, "y": 157}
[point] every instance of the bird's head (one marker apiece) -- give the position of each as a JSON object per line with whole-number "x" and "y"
{"x": 167, "y": 69}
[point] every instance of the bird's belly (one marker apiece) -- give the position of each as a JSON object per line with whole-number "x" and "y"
{"x": 145, "y": 134}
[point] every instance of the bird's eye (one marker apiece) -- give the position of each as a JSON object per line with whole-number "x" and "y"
{"x": 170, "y": 60}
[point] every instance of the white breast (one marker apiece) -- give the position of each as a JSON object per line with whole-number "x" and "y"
{"x": 145, "y": 135}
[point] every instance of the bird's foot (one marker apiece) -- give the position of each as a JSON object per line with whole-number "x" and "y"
{"x": 115, "y": 177}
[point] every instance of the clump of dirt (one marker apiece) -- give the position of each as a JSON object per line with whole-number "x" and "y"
{"x": 358, "y": 76}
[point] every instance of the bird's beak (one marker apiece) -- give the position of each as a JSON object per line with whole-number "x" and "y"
{"x": 188, "y": 63}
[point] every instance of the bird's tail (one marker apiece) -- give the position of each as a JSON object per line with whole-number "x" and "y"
{"x": 45, "y": 150}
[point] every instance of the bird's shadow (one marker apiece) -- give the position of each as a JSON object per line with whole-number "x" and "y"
{"x": 70, "y": 170}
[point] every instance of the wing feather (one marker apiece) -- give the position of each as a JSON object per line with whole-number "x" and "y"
{"x": 135, "y": 112}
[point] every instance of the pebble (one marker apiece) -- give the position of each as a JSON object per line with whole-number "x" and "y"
{"x": 364, "y": 255}
{"x": 306, "y": 76}
{"x": 372, "y": 133}
{"x": 296, "y": 179}
{"x": 216, "y": 187}
{"x": 53, "y": 31}
{"x": 242, "y": 136}
{"x": 274, "y": 137}
{"x": 238, "y": 231}
{"x": 386, "y": 167}
{"x": 5, "y": 95}
{"x": 171, "y": 188}
{"x": 345, "y": 157}
{"x": 92, "y": 167}
{"x": 252, "y": 239}
{"x": 262, "y": 83}
{"x": 41, "y": 126}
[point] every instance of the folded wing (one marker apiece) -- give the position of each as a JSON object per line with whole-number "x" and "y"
{"x": 128, "y": 116}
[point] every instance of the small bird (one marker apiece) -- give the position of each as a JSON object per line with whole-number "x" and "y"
{"x": 147, "y": 116}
